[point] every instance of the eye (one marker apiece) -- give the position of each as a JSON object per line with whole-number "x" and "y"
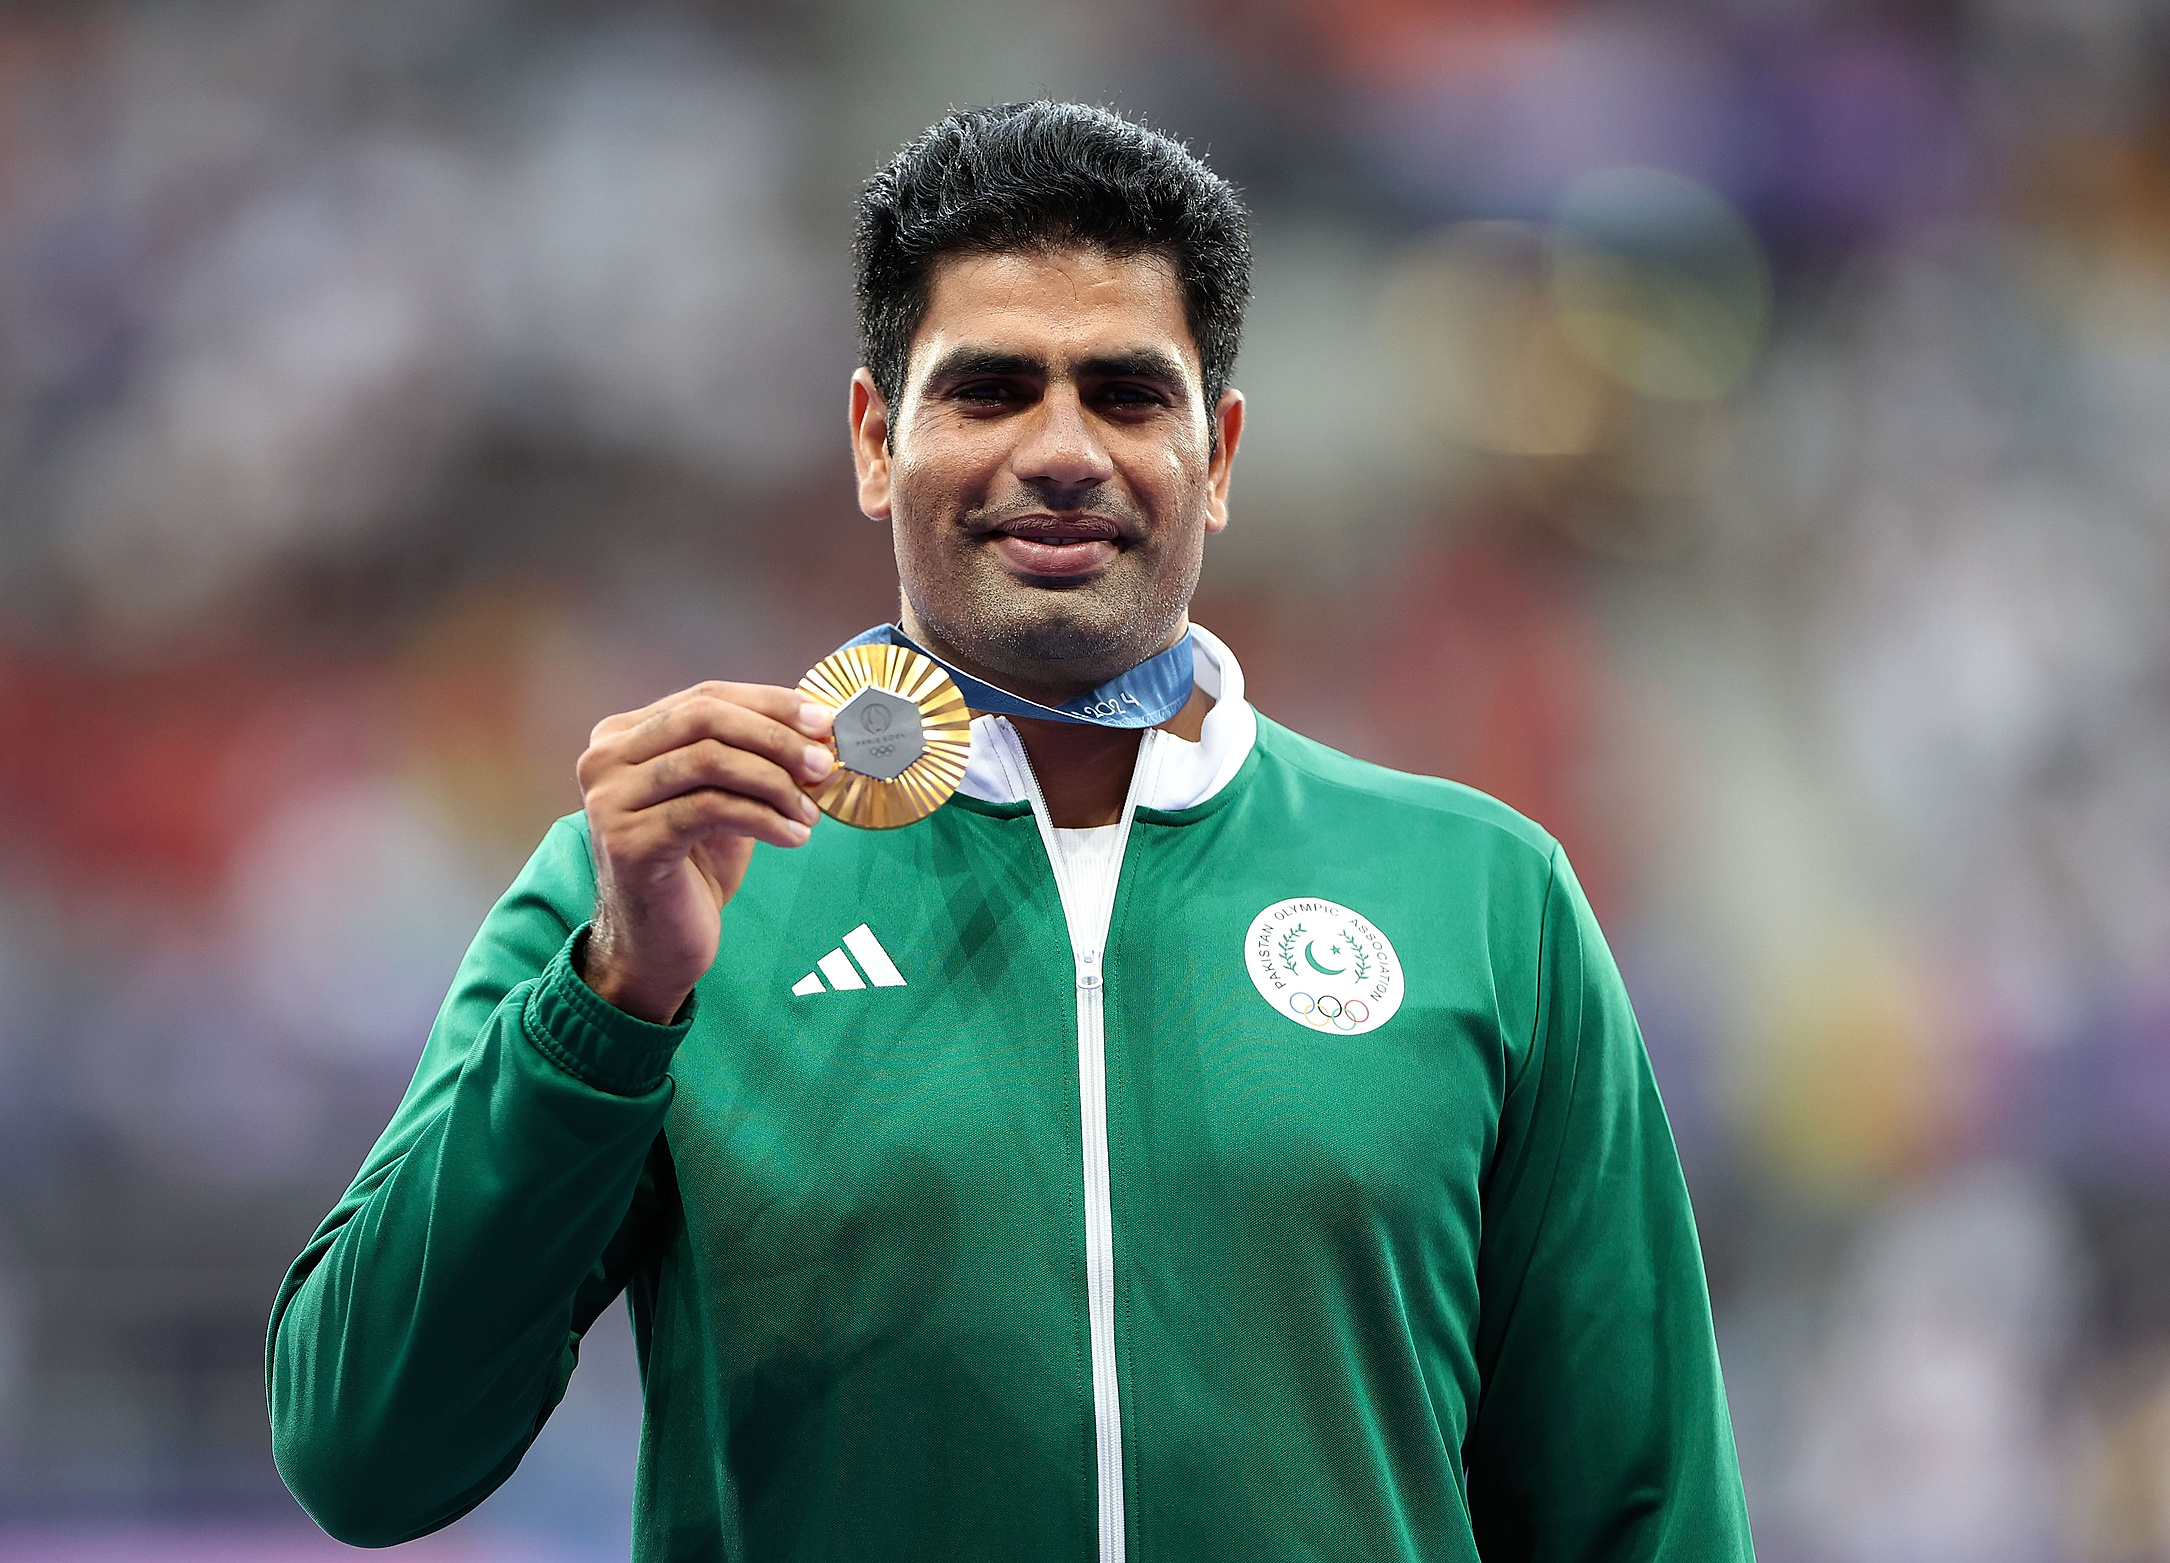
{"x": 985, "y": 393}
{"x": 1130, "y": 395}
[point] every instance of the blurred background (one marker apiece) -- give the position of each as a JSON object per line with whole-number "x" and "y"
{"x": 1735, "y": 432}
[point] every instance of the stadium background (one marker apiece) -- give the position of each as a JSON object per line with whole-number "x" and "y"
{"x": 1735, "y": 432}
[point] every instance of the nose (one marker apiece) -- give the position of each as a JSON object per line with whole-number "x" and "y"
{"x": 1059, "y": 448}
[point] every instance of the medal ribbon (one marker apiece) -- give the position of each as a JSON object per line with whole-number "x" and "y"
{"x": 1146, "y": 696}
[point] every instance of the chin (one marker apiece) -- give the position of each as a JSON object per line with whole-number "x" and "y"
{"x": 1037, "y": 634}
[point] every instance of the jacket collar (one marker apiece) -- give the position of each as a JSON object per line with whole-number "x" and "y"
{"x": 1180, "y": 775}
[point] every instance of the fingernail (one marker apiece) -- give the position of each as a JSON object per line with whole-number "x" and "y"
{"x": 797, "y": 832}
{"x": 818, "y": 762}
{"x": 812, "y": 718}
{"x": 809, "y": 810}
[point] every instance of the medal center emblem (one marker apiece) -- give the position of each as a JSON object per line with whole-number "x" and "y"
{"x": 879, "y": 733}
{"x": 1324, "y": 967}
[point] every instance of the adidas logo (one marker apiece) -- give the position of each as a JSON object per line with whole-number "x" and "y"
{"x": 837, "y": 967}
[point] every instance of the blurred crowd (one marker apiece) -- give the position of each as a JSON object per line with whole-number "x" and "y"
{"x": 1734, "y": 432}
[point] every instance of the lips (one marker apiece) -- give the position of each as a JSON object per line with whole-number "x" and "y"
{"x": 1057, "y": 547}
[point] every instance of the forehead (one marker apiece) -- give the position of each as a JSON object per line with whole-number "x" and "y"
{"x": 1055, "y": 304}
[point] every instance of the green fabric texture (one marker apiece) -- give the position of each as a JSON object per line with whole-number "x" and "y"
{"x": 1428, "y": 1292}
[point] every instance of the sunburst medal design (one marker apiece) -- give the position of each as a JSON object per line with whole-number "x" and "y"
{"x": 902, "y": 735}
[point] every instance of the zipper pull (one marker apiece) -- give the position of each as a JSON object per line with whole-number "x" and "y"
{"x": 1088, "y": 969}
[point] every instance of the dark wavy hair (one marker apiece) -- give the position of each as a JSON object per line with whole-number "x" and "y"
{"x": 1037, "y": 176}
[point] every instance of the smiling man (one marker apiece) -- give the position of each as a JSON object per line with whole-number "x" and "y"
{"x": 1186, "y": 1143}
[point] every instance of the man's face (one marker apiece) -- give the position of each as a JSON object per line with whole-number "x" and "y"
{"x": 1050, "y": 474}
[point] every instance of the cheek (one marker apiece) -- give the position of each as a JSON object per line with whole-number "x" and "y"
{"x": 1188, "y": 457}
{"x": 949, "y": 470}
{"x": 1180, "y": 475}
{"x": 918, "y": 495}
{"x": 909, "y": 469}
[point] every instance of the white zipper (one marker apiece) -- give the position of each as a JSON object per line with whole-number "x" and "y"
{"x": 1087, "y": 941}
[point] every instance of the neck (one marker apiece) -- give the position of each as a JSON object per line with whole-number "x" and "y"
{"x": 1084, "y": 772}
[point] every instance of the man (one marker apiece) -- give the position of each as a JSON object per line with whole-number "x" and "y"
{"x": 1187, "y": 1143}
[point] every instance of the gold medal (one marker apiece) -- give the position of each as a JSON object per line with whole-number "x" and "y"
{"x": 902, "y": 735}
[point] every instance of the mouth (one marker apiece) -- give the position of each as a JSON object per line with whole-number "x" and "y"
{"x": 1057, "y": 547}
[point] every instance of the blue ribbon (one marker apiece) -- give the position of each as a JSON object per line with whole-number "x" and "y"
{"x": 1146, "y": 696}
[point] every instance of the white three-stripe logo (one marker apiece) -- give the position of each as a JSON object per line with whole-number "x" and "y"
{"x": 837, "y": 967}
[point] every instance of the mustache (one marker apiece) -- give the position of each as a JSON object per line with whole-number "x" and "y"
{"x": 1102, "y": 503}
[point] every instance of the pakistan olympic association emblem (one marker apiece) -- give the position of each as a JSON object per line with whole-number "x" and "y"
{"x": 1323, "y": 966}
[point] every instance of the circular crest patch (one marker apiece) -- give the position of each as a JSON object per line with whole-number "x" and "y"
{"x": 1323, "y": 966}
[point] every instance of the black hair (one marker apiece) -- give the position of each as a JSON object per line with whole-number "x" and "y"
{"x": 1037, "y": 176}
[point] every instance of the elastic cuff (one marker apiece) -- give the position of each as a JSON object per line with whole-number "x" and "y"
{"x": 592, "y": 1040}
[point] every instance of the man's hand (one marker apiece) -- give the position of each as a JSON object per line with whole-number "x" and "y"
{"x": 677, "y": 794}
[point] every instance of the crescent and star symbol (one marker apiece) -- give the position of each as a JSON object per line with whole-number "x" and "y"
{"x": 1323, "y": 971}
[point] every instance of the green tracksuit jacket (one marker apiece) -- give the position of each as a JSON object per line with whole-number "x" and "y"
{"x": 962, "y": 1239}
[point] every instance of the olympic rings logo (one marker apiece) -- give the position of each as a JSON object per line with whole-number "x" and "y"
{"x": 1316, "y": 1011}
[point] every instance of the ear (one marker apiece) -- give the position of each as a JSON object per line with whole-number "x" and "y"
{"x": 1228, "y": 424}
{"x": 870, "y": 444}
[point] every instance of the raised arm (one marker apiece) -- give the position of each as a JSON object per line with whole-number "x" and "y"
{"x": 1601, "y": 1434}
{"x": 429, "y": 1328}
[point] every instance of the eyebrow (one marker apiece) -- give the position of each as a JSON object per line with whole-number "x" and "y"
{"x": 1138, "y": 363}
{"x": 964, "y": 363}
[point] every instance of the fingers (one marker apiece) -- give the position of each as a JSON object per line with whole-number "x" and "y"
{"x": 656, "y": 839}
{"x": 697, "y": 715}
{"x": 705, "y": 718}
{"x": 690, "y": 818}
{"x": 707, "y": 764}
{"x": 716, "y": 759}
{"x": 673, "y": 793}
{"x": 784, "y": 706}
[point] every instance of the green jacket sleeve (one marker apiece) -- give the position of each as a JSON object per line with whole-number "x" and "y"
{"x": 430, "y": 1326}
{"x": 1601, "y": 1433}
